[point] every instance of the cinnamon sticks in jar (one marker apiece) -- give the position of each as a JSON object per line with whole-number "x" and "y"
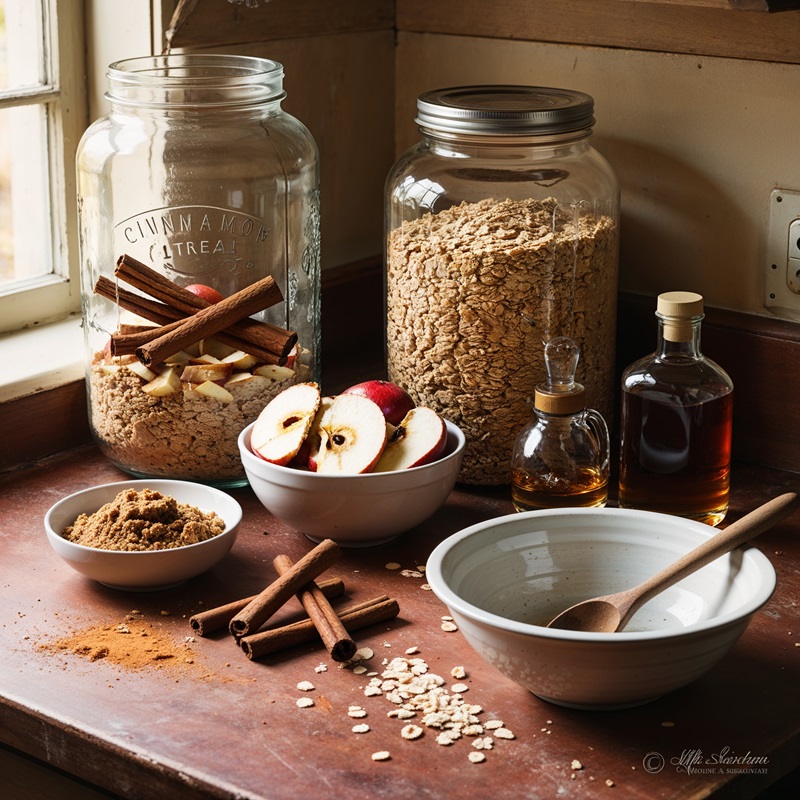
{"x": 183, "y": 318}
{"x": 244, "y": 618}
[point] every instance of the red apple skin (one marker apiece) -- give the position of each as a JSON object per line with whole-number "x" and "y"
{"x": 393, "y": 400}
{"x": 207, "y": 293}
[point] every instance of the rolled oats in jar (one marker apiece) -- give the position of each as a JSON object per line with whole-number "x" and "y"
{"x": 502, "y": 231}
{"x": 197, "y": 174}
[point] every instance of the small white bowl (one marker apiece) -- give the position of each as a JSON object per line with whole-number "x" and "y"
{"x": 505, "y": 579}
{"x": 354, "y": 510}
{"x": 143, "y": 570}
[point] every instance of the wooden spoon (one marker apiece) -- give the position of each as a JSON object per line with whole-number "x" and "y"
{"x": 611, "y": 612}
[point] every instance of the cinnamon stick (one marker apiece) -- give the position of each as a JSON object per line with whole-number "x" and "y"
{"x": 211, "y": 320}
{"x": 259, "y": 610}
{"x": 215, "y": 619}
{"x": 330, "y": 628}
{"x": 355, "y": 617}
{"x": 265, "y": 342}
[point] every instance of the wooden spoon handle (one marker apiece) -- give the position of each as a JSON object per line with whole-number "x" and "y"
{"x": 736, "y": 534}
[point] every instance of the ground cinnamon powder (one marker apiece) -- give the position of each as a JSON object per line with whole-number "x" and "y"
{"x": 145, "y": 520}
{"x": 135, "y": 643}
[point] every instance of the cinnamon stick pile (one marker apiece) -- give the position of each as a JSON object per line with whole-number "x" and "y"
{"x": 244, "y": 618}
{"x": 183, "y": 318}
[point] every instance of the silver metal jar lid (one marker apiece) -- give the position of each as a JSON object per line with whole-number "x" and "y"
{"x": 501, "y": 109}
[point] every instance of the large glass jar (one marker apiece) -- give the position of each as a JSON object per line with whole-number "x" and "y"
{"x": 197, "y": 173}
{"x": 502, "y": 231}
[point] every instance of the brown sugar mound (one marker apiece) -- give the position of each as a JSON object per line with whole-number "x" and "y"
{"x": 145, "y": 520}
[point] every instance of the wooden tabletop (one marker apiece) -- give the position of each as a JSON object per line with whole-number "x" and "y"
{"x": 214, "y": 724}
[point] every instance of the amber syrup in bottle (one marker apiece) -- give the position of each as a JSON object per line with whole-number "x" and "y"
{"x": 561, "y": 458}
{"x": 676, "y": 422}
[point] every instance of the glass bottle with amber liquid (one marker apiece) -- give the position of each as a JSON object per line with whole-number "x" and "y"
{"x": 676, "y": 423}
{"x": 561, "y": 458}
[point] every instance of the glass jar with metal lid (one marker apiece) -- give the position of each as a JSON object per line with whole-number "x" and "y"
{"x": 502, "y": 232}
{"x": 199, "y": 175}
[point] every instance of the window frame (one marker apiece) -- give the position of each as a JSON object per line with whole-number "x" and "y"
{"x": 64, "y": 93}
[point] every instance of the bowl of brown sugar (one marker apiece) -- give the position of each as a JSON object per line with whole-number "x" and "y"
{"x": 143, "y": 535}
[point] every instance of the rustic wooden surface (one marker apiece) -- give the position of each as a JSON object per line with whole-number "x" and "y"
{"x": 226, "y": 727}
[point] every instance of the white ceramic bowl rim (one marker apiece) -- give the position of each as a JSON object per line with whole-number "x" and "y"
{"x": 230, "y": 522}
{"x": 441, "y": 588}
{"x": 453, "y": 432}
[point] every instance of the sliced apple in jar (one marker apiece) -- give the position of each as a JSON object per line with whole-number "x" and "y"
{"x": 352, "y": 436}
{"x": 168, "y": 382}
{"x": 200, "y": 373}
{"x": 214, "y": 391}
{"x": 274, "y": 372}
{"x": 145, "y": 373}
{"x": 419, "y": 439}
{"x": 283, "y": 425}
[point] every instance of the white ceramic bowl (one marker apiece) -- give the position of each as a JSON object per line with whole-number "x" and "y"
{"x": 354, "y": 510}
{"x": 505, "y": 579}
{"x": 144, "y": 570}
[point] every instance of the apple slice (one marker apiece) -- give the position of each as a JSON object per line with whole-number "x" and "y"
{"x": 200, "y": 373}
{"x": 274, "y": 373}
{"x": 282, "y": 426}
{"x": 240, "y": 360}
{"x": 419, "y": 439}
{"x": 145, "y": 373}
{"x": 168, "y": 382}
{"x": 213, "y": 347}
{"x": 214, "y": 391}
{"x": 313, "y": 441}
{"x": 352, "y": 436}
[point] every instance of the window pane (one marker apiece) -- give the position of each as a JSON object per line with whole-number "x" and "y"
{"x": 24, "y": 199}
{"x": 21, "y": 44}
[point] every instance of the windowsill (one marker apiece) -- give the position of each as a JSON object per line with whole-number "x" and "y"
{"x": 41, "y": 358}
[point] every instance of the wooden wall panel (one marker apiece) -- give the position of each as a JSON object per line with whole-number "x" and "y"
{"x": 698, "y": 29}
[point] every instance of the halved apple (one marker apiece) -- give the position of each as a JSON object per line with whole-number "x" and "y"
{"x": 419, "y": 439}
{"x": 352, "y": 436}
{"x": 283, "y": 425}
{"x": 313, "y": 441}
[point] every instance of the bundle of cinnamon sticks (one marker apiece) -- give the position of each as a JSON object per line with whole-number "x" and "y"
{"x": 243, "y": 618}
{"x": 183, "y": 318}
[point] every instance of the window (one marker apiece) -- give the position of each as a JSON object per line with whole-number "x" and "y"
{"x": 42, "y": 116}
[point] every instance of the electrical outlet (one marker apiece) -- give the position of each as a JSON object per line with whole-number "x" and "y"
{"x": 782, "y": 285}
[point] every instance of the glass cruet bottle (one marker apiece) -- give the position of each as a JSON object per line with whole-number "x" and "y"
{"x": 676, "y": 421}
{"x": 561, "y": 458}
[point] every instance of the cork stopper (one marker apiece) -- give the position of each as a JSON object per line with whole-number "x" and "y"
{"x": 560, "y": 394}
{"x": 678, "y": 310}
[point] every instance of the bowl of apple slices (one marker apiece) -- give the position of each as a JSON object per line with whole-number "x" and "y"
{"x": 360, "y": 467}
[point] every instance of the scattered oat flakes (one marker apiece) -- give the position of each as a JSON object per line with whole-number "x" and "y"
{"x": 458, "y": 672}
{"x": 411, "y": 573}
{"x": 609, "y": 782}
{"x": 576, "y": 764}
{"x": 476, "y": 757}
{"x": 392, "y": 565}
{"x": 459, "y": 688}
{"x": 411, "y": 732}
{"x": 361, "y": 728}
{"x": 487, "y": 743}
{"x": 493, "y": 724}
{"x": 447, "y": 618}
{"x": 426, "y": 587}
{"x": 372, "y": 691}
{"x": 305, "y": 686}
{"x": 304, "y": 702}
{"x": 363, "y": 654}
{"x": 449, "y": 627}
{"x": 411, "y": 650}
{"x": 445, "y": 738}
{"x": 381, "y": 755}
{"x": 359, "y": 670}
{"x": 321, "y": 668}
{"x": 356, "y": 712}
{"x": 504, "y": 733}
